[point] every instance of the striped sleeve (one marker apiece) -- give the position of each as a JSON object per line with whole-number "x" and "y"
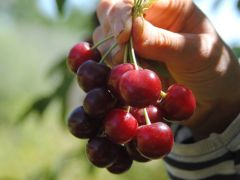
{"x": 214, "y": 158}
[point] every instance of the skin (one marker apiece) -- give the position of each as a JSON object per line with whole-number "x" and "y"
{"x": 177, "y": 33}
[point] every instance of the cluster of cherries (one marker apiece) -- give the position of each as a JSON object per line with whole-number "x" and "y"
{"x": 124, "y": 110}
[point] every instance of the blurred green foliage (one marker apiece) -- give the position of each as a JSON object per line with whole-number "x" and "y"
{"x": 36, "y": 86}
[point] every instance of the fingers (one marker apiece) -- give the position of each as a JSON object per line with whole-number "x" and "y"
{"x": 154, "y": 43}
{"x": 103, "y": 9}
{"x": 169, "y": 14}
{"x": 115, "y": 17}
{"x": 116, "y": 55}
{"x": 120, "y": 17}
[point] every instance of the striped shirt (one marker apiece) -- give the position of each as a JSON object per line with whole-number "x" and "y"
{"x": 214, "y": 158}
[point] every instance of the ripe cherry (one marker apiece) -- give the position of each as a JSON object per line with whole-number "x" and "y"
{"x": 154, "y": 114}
{"x": 92, "y": 75}
{"x": 98, "y": 102}
{"x": 155, "y": 140}
{"x": 115, "y": 76}
{"x": 120, "y": 126}
{"x": 140, "y": 88}
{"x": 178, "y": 104}
{"x": 122, "y": 163}
{"x": 133, "y": 152}
{"x": 81, "y": 125}
{"x": 101, "y": 152}
{"x": 80, "y": 53}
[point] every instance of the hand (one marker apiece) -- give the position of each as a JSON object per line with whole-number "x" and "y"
{"x": 178, "y": 34}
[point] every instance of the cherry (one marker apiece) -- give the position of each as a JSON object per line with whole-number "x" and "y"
{"x": 80, "y": 53}
{"x": 98, "y": 102}
{"x": 154, "y": 114}
{"x": 101, "y": 152}
{"x": 115, "y": 76}
{"x": 133, "y": 152}
{"x": 140, "y": 88}
{"x": 92, "y": 75}
{"x": 120, "y": 126}
{"x": 81, "y": 125}
{"x": 122, "y": 163}
{"x": 178, "y": 104}
{"x": 155, "y": 140}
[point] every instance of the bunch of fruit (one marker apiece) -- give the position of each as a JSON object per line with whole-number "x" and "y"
{"x": 124, "y": 109}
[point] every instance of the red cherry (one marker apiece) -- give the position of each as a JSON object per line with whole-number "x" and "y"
{"x": 178, "y": 104}
{"x": 101, "y": 152}
{"x": 122, "y": 163}
{"x": 133, "y": 152}
{"x": 140, "y": 88}
{"x": 80, "y": 53}
{"x": 98, "y": 102}
{"x": 92, "y": 75}
{"x": 154, "y": 114}
{"x": 115, "y": 76}
{"x": 81, "y": 125}
{"x": 155, "y": 140}
{"x": 120, "y": 126}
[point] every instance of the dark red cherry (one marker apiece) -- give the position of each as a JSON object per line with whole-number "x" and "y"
{"x": 178, "y": 104}
{"x": 101, "y": 152}
{"x": 122, "y": 163}
{"x": 120, "y": 126}
{"x": 81, "y": 125}
{"x": 80, "y": 53}
{"x": 98, "y": 102}
{"x": 115, "y": 76}
{"x": 133, "y": 152}
{"x": 92, "y": 75}
{"x": 155, "y": 140}
{"x": 154, "y": 114}
{"x": 140, "y": 88}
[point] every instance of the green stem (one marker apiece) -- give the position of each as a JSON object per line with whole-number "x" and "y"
{"x": 133, "y": 54}
{"x": 102, "y": 41}
{"x": 125, "y": 60}
{"x": 107, "y": 53}
{"x": 148, "y": 122}
{"x": 163, "y": 94}
{"x": 138, "y": 8}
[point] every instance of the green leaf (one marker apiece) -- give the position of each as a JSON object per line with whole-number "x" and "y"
{"x": 238, "y": 5}
{"x": 60, "y": 5}
{"x": 60, "y": 66}
{"x": 38, "y": 106}
{"x": 236, "y": 51}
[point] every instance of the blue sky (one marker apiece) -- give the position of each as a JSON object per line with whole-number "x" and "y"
{"x": 226, "y": 19}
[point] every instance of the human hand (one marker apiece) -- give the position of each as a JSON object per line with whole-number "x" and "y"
{"x": 178, "y": 34}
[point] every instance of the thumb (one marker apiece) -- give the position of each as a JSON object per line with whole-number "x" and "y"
{"x": 154, "y": 43}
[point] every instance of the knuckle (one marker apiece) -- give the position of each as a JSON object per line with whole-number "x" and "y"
{"x": 210, "y": 47}
{"x": 103, "y": 7}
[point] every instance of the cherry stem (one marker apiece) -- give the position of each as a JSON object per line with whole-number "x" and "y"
{"x": 137, "y": 7}
{"x": 107, "y": 53}
{"x": 163, "y": 94}
{"x": 148, "y": 122}
{"x": 133, "y": 54}
{"x": 128, "y": 109}
{"x": 125, "y": 54}
{"x": 102, "y": 41}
